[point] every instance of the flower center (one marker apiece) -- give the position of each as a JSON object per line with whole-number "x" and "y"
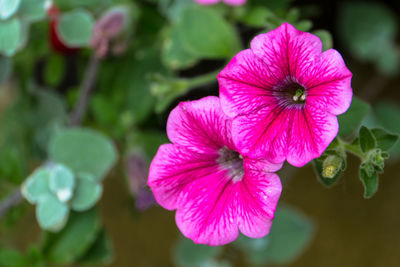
{"x": 231, "y": 160}
{"x": 291, "y": 92}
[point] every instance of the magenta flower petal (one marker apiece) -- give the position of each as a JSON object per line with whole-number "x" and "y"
{"x": 283, "y": 95}
{"x": 214, "y": 216}
{"x": 216, "y": 191}
{"x": 173, "y": 169}
{"x": 200, "y": 126}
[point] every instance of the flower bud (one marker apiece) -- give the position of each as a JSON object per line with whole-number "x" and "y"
{"x": 331, "y": 166}
{"x": 109, "y": 28}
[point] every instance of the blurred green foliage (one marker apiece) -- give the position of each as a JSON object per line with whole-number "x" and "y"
{"x": 170, "y": 50}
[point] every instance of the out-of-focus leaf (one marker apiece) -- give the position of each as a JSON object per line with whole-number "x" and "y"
{"x": 367, "y": 139}
{"x": 8, "y": 8}
{"x": 272, "y": 4}
{"x": 188, "y": 254}
{"x": 206, "y": 34}
{"x": 75, "y": 27}
{"x": 174, "y": 54}
{"x": 351, "y": 120}
{"x": 368, "y": 29}
{"x": 36, "y": 186}
{"x": 54, "y": 69}
{"x": 149, "y": 141}
{"x": 290, "y": 235}
{"x": 88, "y": 192}
{"x": 130, "y": 78}
{"x": 10, "y": 257}
{"x": 369, "y": 179}
{"x": 62, "y": 182}
{"x": 32, "y": 10}
{"x": 384, "y": 139}
{"x": 84, "y": 151}
{"x": 326, "y": 38}
{"x": 5, "y": 68}
{"x": 51, "y": 214}
{"x": 101, "y": 250}
{"x": 386, "y": 113}
{"x": 10, "y": 36}
{"x": 257, "y": 16}
{"x": 74, "y": 240}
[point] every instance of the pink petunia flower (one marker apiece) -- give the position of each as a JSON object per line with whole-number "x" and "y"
{"x": 228, "y": 2}
{"x": 284, "y": 94}
{"x": 216, "y": 192}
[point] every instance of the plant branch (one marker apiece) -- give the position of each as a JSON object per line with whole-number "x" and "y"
{"x": 84, "y": 93}
{"x": 12, "y": 200}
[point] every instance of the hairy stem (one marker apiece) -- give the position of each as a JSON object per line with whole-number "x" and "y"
{"x": 12, "y": 200}
{"x": 84, "y": 93}
{"x": 203, "y": 79}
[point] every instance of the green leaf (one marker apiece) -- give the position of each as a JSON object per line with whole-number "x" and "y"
{"x": 54, "y": 69}
{"x": 364, "y": 26}
{"x": 75, "y": 27}
{"x": 188, "y": 254}
{"x": 384, "y": 139}
{"x": 326, "y": 38}
{"x": 206, "y": 34}
{"x": 88, "y": 192}
{"x": 174, "y": 55}
{"x": 367, "y": 139}
{"x": 74, "y": 240}
{"x": 32, "y": 10}
{"x": 101, "y": 251}
{"x": 8, "y": 8}
{"x": 148, "y": 140}
{"x": 369, "y": 179}
{"x": 5, "y": 68}
{"x": 353, "y": 117}
{"x": 51, "y": 214}
{"x": 62, "y": 182}
{"x": 257, "y": 16}
{"x": 10, "y": 36}
{"x": 84, "y": 151}
{"x": 290, "y": 235}
{"x": 36, "y": 186}
{"x": 11, "y": 257}
{"x": 387, "y": 112}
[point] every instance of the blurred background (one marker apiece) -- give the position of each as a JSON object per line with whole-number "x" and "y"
{"x": 114, "y": 69}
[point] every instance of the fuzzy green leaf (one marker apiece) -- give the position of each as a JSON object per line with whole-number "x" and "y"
{"x": 74, "y": 240}
{"x": 206, "y": 34}
{"x": 8, "y": 8}
{"x": 385, "y": 140}
{"x": 84, "y": 151}
{"x": 75, "y": 27}
{"x": 36, "y": 186}
{"x": 62, "y": 182}
{"x": 369, "y": 179}
{"x": 10, "y": 36}
{"x": 88, "y": 192}
{"x": 51, "y": 214}
{"x": 367, "y": 139}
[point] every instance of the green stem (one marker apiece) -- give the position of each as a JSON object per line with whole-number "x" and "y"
{"x": 355, "y": 150}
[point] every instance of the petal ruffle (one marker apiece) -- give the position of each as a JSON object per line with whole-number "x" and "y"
{"x": 216, "y": 209}
{"x": 286, "y": 50}
{"x": 246, "y": 84}
{"x": 174, "y": 168}
{"x": 328, "y": 83}
{"x": 200, "y": 126}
